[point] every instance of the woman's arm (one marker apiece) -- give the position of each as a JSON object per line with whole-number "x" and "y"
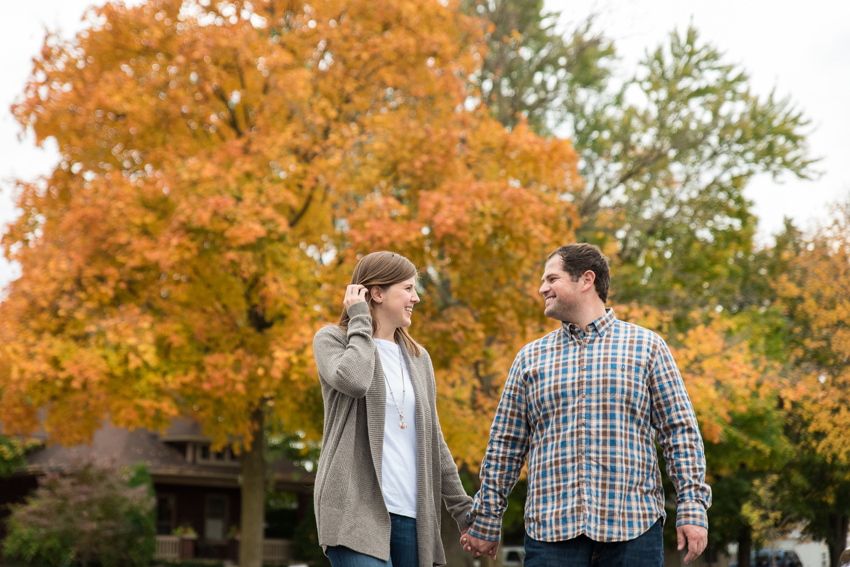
{"x": 347, "y": 364}
{"x": 458, "y": 502}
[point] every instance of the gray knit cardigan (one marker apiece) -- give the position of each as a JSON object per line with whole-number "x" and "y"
{"x": 350, "y": 508}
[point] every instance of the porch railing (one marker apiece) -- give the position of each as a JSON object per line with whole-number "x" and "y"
{"x": 277, "y": 550}
{"x": 274, "y": 550}
{"x": 167, "y": 547}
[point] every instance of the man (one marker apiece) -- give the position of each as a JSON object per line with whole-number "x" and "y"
{"x": 585, "y": 403}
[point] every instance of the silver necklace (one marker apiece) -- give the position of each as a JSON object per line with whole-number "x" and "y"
{"x": 403, "y": 390}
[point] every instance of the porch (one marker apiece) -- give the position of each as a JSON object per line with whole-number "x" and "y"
{"x": 275, "y": 551}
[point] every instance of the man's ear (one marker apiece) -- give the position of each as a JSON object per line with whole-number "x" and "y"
{"x": 587, "y": 280}
{"x": 377, "y": 294}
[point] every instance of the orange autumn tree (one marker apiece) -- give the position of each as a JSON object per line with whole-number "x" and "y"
{"x": 813, "y": 294}
{"x": 221, "y": 166}
{"x": 724, "y": 376}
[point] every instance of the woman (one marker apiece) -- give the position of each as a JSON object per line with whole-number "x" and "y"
{"x": 384, "y": 464}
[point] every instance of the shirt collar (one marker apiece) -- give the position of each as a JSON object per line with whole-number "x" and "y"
{"x": 600, "y": 325}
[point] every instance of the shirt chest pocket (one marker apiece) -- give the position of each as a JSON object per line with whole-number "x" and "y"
{"x": 621, "y": 382}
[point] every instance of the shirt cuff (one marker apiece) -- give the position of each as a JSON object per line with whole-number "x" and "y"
{"x": 691, "y": 513}
{"x": 488, "y": 529}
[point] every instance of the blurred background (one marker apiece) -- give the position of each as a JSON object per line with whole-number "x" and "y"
{"x": 186, "y": 187}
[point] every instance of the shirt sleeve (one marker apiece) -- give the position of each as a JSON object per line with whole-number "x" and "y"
{"x": 504, "y": 459}
{"x": 678, "y": 434}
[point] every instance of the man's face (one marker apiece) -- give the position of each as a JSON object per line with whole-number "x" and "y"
{"x": 560, "y": 292}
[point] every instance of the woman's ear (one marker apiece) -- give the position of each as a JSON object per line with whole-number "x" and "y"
{"x": 377, "y": 294}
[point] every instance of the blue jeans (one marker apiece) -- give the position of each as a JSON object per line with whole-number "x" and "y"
{"x": 403, "y": 549}
{"x": 646, "y": 550}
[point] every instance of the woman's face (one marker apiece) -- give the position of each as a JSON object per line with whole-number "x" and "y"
{"x": 394, "y": 305}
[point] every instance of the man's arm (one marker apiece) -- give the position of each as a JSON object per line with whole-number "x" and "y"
{"x": 503, "y": 461}
{"x": 672, "y": 415}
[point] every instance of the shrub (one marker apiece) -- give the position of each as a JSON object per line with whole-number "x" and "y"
{"x": 93, "y": 516}
{"x": 12, "y": 451}
{"x": 305, "y": 542}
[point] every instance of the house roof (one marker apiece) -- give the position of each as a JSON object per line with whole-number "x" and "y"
{"x": 184, "y": 430}
{"x": 165, "y": 460}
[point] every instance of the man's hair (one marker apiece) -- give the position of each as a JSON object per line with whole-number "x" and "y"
{"x": 578, "y": 258}
{"x": 383, "y": 269}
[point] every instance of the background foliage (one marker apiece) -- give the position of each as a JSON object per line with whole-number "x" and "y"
{"x": 93, "y": 516}
{"x": 225, "y": 164}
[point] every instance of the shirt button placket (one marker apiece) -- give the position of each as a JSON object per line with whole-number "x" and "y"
{"x": 584, "y": 435}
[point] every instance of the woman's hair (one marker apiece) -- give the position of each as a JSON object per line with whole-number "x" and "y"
{"x": 383, "y": 269}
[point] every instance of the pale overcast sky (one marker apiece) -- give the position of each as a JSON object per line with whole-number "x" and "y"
{"x": 801, "y": 48}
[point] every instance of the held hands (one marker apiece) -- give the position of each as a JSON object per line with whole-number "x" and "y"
{"x": 478, "y": 547}
{"x": 696, "y": 538}
{"x": 354, "y": 294}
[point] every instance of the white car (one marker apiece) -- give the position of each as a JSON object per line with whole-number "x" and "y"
{"x": 513, "y": 556}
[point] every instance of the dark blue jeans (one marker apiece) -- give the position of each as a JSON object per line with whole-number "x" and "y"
{"x": 403, "y": 549}
{"x": 646, "y": 550}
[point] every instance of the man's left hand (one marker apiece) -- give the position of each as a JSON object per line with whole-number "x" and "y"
{"x": 695, "y": 537}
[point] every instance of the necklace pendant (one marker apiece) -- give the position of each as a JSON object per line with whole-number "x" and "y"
{"x": 401, "y": 423}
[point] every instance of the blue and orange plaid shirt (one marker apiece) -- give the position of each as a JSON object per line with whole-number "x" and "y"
{"x": 585, "y": 407}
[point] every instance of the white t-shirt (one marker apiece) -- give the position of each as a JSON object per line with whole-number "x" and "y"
{"x": 398, "y": 465}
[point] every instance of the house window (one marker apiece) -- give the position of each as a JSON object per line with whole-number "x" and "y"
{"x": 166, "y": 511}
{"x": 223, "y": 457}
{"x": 215, "y": 518}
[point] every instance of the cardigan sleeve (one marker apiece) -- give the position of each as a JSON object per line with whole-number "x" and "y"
{"x": 458, "y": 502}
{"x": 347, "y": 364}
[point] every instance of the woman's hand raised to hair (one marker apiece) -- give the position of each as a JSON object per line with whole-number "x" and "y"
{"x": 354, "y": 294}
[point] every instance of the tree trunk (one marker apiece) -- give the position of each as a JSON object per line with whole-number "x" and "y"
{"x": 253, "y": 498}
{"x": 838, "y": 526}
{"x": 745, "y": 544}
{"x": 455, "y": 555}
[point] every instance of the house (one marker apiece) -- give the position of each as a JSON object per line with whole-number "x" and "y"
{"x": 195, "y": 488}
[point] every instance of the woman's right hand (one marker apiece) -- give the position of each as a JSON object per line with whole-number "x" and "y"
{"x": 354, "y": 294}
